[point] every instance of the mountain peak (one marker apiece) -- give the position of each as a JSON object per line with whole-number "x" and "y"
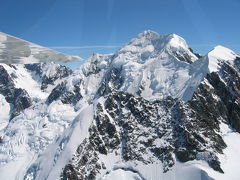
{"x": 146, "y": 108}
{"x": 222, "y": 53}
{"x": 151, "y": 43}
{"x": 175, "y": 40}
{"x": 172, "y": 39}
{"x": 218, "y": 55}
{"x": 144, "y": 38}
{"x": 148, "y": 34}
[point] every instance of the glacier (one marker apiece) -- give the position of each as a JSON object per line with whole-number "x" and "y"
{"x": 156, "y": 74}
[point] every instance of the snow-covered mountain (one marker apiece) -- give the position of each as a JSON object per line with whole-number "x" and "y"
{"x": 18, "y": 51}
{"x": 152, "y": 110}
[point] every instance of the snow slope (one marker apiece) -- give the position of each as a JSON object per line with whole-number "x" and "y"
{"x": 150, "y": 63}
{"x": 159, "y": 66}
{"x": 4, "y": 112}
{"x": 120, "y": 174}
{"x": 59, "y": 154}
{"x": 192, "y": 170}
{"x": 39, "y": 142}
{"x": 218, "y": 55}
{"x": 231, "y": 157}
{"x": 24, "y": 79}
{"x": 29, "y": 134}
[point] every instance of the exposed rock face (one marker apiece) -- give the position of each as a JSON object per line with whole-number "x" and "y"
{"x": 151, "y": 104}
{"x": 49, "y": 73}
{"x": 221, "y": 90}
{"x": 18, "y": 97}
{"x": 67, "y": 97}
{"x": 142, "y": 131}
{"x": 146, "y": 131}
{"x": 44, "y": 73}
{"x": 7, "y": 85}
{"x": 21, "y": 102}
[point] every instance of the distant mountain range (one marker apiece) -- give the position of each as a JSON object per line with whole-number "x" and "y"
{"x": 152, "y": 110}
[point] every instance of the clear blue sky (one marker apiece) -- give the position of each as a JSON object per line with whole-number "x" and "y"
{"x": 108, "y": 24}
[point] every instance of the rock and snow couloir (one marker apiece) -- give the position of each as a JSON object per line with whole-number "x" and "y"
{"x": 152, "y": 110}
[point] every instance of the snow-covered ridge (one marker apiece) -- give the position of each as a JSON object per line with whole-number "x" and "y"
{"x": 151, "y": 67}
{"x": 14, "y": 50}
{"x": 218, "y": 55}
{"x": 150, "y": 44}
{"x": 157, "y": 66}
{"x": 22, "y": 78}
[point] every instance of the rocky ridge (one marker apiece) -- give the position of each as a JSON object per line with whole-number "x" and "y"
{"x": 152, "y": 103}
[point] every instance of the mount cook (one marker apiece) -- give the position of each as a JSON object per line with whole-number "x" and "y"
{"x": 152, "y": 110}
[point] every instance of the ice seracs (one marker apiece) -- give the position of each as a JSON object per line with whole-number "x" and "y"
{"x": 152, "y": 110}
{"x": 4, "y": 112}
{"x": 155, "y": 66}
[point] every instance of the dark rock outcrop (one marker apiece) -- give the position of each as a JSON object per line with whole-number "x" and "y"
{"x": 18, "y": 97}
{"x": 67, "y": 97}
{"x": 21, "y": 102}
{"x": 46, "y": 79}
{"x": 132, "y": 127}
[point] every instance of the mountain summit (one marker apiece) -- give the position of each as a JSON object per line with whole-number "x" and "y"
{"x": 152, "y": 110}
{"x": 150, "y": 44}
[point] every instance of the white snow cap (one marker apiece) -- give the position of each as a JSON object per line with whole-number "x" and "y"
{"x": 154, "y": 38}
{"x": 151, "y": 44}
{"x": 220, "y": 54}
{"x": 17, "y": 51}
